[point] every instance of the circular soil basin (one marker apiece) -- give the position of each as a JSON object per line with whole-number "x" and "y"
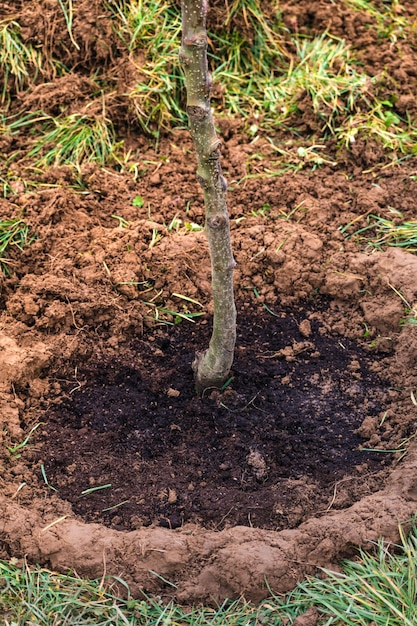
{"x": 289, "y": 468}
{"x": 130, "y": 445}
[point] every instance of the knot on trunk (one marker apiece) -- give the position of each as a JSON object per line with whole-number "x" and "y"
{"x": 199, "y": 40}
{"x": 197, "y": 112}
{"x": 217, "y": 222}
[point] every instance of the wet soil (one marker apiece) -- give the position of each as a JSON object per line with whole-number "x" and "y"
{"x": 109, "y": 461}
{"x": 266, "y": 452}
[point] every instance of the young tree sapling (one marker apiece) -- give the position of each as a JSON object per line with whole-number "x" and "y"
{"x": 212, "y": 367}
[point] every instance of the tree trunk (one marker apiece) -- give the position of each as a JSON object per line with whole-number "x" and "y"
{"x": 211, "y": 367}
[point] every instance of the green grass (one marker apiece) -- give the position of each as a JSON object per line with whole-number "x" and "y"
{"x": 71, "y": 139}
{"x": 257, "y": 73}
{"x": 394, "y": 133}
{"x": 13, "y": 232}
{"x": 21, "y": 63}
{"x": 380, "y": 232}
{"x": 341, "y": 96}
{"x": 18, "y": 447}
{"x": 395, "y": 234}
{"x": 75, "y": 138}
{"x": 38, "y": 596}
{"x": 68, "y": 12}
{"x": 325, "y": 70}
{"x": 267, "y": 76}
{"x": 18, "y": 61}
{"x": 152, "y": 30}
{"x": 9, "y": 126}
{"x": 378, "y": 589}
{"x": 247, "y": 59}
{"x": 386, "y": 16}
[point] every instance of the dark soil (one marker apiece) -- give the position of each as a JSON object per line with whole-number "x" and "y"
{"x": 269, "y": 451}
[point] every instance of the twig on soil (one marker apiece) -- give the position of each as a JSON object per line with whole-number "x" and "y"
{"x": 57, "y": 521}
{"x": 20, "y": 487}
{"x": 76, "y": 380}
{"x": 224, "y": 517}
{"x": 332, "y": 501}
{"x": 73, "y": 314}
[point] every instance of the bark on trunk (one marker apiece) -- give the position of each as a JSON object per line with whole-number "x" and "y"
{"x": 212, "y": 367}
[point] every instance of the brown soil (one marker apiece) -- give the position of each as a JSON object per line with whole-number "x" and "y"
{"x": 286, "y": 470}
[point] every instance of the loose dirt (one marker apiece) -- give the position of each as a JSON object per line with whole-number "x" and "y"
{"x": 305, "y": 456}
{"x": 268, "y": 451}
